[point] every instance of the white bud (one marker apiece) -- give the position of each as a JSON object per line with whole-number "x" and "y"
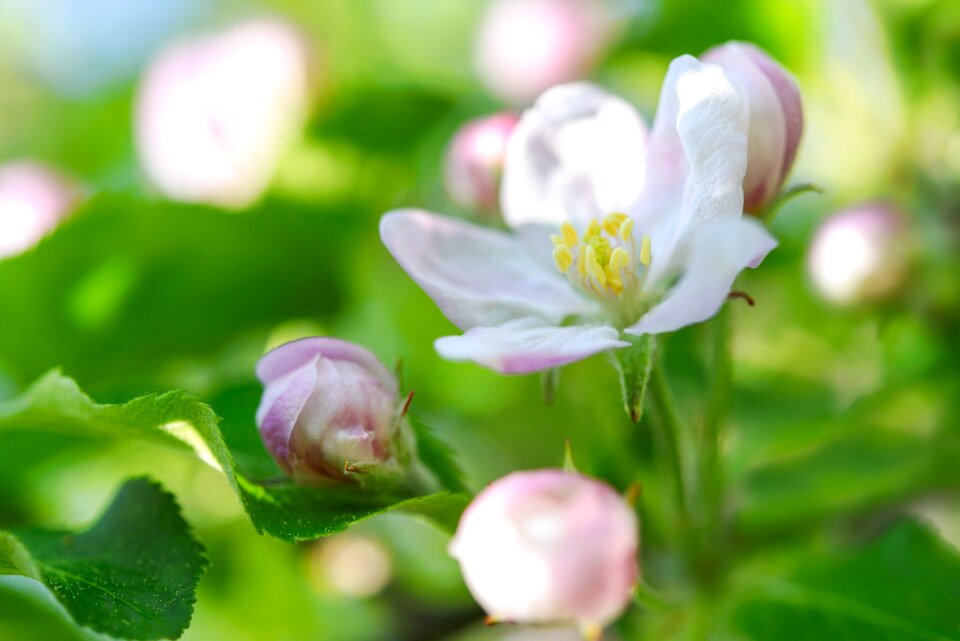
{"x": 860, "y": 254}
{"x": 549, "y": 546}
{"x": 527, "y": 46}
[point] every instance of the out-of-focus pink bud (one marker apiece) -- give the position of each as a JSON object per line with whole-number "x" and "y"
{"x": 33, "y": 200}
{"x": 527, "y": 46}
{"x": 474, "y": 163}
{"x": 214, "y": 113}
{"x": 330, "y": 412}
{"x": 860, "y": 254}
{"x": 775, "y": 118}
{"x": 549, "y": 546}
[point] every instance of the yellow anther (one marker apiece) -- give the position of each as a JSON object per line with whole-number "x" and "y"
{"x": 563, "y": 257}
{"x": 557, "y": 240}
{"x": 569, "y": 234}
{"x": 626, "y": 229}
{"x": 593, "y": 229}
{"x": 619, "y": 259}
{"x": 612, "y": 222}
{"x": 593, "y": 266}
{"x": 645, "y": 251}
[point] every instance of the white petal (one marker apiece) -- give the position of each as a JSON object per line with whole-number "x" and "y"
{"x": 697, "y": 158}
{"x": 577, "y": 153}
{"x": 718, "y": 252}
{"x": 528, "y": 345}
{"x": 478, "y": 276}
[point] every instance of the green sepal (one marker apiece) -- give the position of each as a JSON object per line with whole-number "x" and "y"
{"x": 634, "y": 363}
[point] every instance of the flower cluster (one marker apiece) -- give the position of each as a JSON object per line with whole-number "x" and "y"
{"x": 615, "y": 231}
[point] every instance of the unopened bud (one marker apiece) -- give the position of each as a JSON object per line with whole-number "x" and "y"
{"x": 775, "y": 114}
{"x": 526, "y": 46}
{"x": 860, "y": 254}
{"x": 549, "y": 546}
{"x": 474, "y": 162}
{"x": 33, "y": 200}
{"x": 330, "y": 412}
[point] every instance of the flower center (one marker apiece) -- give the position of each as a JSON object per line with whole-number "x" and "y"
{"x": 605, "y": 262}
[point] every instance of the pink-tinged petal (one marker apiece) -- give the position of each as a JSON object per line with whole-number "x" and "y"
{"x": 717, "y": 253}
{"x": 295, "y": 354}
{"x": 789, "y": 95}
{"x": 578, "y": 153}
{"x": 528, "y": 345}
{"x": 549, "y": 546}
{"x": 282, "y": 402}
{"x": 697, "y": 158}
{"x": 478, "y": 276}
{"x": 767, "y": 130}
{"x": 775, "y": 118}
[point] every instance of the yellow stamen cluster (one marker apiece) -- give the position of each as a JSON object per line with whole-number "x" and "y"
{"x": 605, "y": 259}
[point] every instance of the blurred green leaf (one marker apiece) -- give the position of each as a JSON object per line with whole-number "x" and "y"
{"x": 133, "y": 575}
{"x": 275, "y": 505}
{"x": 904, "y": 586}
{"x": 128, "y": 289}
{"x": 855, "y": 472}
{"x": 30, "y": 612}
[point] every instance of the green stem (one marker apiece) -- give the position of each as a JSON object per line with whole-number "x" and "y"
{"x": 721, "y": 396}
{"x": 669, "y": 427}
{"x": 709, "y": 511}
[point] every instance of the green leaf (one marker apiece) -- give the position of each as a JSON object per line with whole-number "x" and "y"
{"x": 186, "y": 283}
{"x": 439, "y": 458}
{"x": 275, "y": 505}
{"x": 634, "y": 363}
{"x": 905, "y": 586}
{"x": 132, "y": 575}
{"x": 856, "y": 472}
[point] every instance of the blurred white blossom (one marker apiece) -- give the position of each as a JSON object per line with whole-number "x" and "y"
{"x": 33, "y": 200}
{"x": 526, "y": 46}
{"x": 214, "y": 113}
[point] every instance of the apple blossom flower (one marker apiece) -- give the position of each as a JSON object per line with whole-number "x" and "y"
{"x": 474, "y": 163}
{"x": 330, "y": 412}
{"x": 775, "y": 115}
{"x": 215, "y": 112}
{"x": 549, "y": 546}
{"x": 859, "y": 254}
{"x": 648, "y": 230}
{"x": 525, "y": 46}
{"x": 33, "y": 201}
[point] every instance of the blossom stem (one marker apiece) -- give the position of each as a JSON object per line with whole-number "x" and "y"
{"x": 710, "y": 472}
{"x": 720, "y": 405}
{"x": 669, "y": 428}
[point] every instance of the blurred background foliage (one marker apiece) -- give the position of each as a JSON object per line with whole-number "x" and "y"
{"x": 845, "y": 416}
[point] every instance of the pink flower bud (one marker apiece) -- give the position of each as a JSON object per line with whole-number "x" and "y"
{"x": 33, "y": 200}
{"x": 474, "y": 163}
{"x": 775, "y": 118}
{"x": 527, "y": 46}
{"x": 547, "y": 547}
{"x": 860, "y": 254}
{"x": 214, "y": 113}
{"x": 329, "y": 412}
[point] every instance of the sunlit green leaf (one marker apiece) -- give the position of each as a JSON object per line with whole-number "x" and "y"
{"x": 275, "y": 505}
